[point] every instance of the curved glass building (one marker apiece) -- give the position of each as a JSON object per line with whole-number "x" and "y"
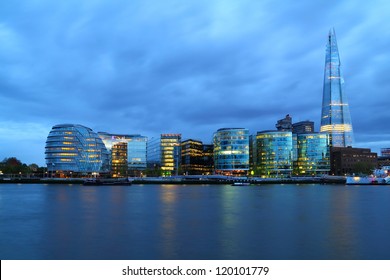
{"x": 231, "y": 151}
{"x": 313, "y": 155}
{"x": 274, "y": 154}
{"x": 75, "y": 148}
{"x": 335, "y": 117}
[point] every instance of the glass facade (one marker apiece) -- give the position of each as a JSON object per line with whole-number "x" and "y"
{"x": 335, "y": 117}
{"x": 128, "y": 153}
{"x": 170, "y": 153}
{"x": 231, "y": 151}
{"x": 119, "y": 159}
{"x": 192, "y": 157}
{"x": 164, "y": 154}
{"x": 312, "y": 154}
{"x": 274, "y": 154}
{"x": 75, "y": 148}
{"x": 303, "y": 127}
{"x": 208, "y": 159}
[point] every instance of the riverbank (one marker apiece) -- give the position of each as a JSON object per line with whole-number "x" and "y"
{"x": 191, "y": 180}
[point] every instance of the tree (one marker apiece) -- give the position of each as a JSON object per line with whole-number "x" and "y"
{"x": 363, "y": 168}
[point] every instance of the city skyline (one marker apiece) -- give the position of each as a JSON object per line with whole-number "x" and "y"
{"x": 188, "y": 68}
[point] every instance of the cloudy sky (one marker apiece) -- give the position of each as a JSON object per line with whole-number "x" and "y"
{"x": 190, "y": 67}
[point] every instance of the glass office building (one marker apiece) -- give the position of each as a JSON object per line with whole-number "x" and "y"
{"x": 164, "y": 155}
{"x": 231, "y": 151}
{"x": 128, "y": 153}
{"x": 274, "y": 154}
{"x": 335, "y": 117}
{"x": 73, "y": 148}
{"x": 313, "y": 155}
{"x": 170, "y": 154}
{"x": 192, "y": 157}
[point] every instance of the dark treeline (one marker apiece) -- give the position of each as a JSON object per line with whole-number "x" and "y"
{"x": 13, "y": 166}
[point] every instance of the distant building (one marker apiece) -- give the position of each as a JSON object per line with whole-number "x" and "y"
{"x": 119, "y": 159}
{"x": 128, "y": 153}
{"x": 273, "y": 154}
{"x": 313, "y": 155}
{"x": 191, "y": 157}
{"x": 385, "y": 152}
{"x": 284, "y": 124}
{"x": 384, "y": 158}
{"x": 164, "y": 155}
{"x": 208, "y": 159}
{"x": 196, "y": 158}
{"x": 335, "y": 116}
{"x": 348, "y": 160}
{"x": 303, "y": 127}
{"x": 231, "y": 151}
{"x": 75, "y": 150}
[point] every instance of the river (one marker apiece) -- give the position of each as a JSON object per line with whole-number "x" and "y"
{"x": 39, "y": 221}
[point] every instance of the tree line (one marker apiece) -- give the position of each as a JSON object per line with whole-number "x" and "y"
{"x": 13, "y": 166}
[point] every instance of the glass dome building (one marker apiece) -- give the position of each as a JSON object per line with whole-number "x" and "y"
{"x": 73, "y": 148}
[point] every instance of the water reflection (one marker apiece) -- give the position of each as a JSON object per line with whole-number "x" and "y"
{"x": 168, "y": 221}
{"x": 342, "y": 230}
{"x": 194, "y": 222}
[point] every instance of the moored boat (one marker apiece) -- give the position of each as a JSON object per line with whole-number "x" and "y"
{"x": 379, "y": 177}
{"x": 106, "y": 182}
{"x": 241, "y": 184}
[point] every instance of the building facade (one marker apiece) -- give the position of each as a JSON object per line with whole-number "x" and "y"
{"x": 284, "y": 124}
{"x": 208, "y": 159}
{"x": 75, "y": 150}
{"x": 313, "y": 154}
{"x": 349, "y": 161}
{"x": 335, "y": 116}
{"x": 164, "y": 155}
{"x": 231, "y": 151}
{"x": 128, "y": 153}
{"x": 192, "y": 157}
{"x": 196, "y": 158}
{"x": 303, "y": 127}
{"x": 274, "y": 154}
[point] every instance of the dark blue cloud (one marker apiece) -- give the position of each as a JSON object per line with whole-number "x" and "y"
{"x": 187, "y": 67}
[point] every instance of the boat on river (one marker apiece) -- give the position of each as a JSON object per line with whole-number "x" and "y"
{"x": 379, "y": 177}
{"x": 107, "y": 182}
{"x": 241, "y": 184}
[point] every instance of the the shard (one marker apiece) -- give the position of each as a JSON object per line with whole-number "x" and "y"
{"x": 335, "y": 116}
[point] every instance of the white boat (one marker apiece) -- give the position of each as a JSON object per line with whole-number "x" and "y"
{"x": 241, "y": 184}
{"x": 379, "y": 177}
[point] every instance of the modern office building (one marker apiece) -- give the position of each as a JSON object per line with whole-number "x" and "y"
{"x": 164, "y": 154}
{"x": 335, "y": 116}
{"x": 192, "y": 157}
{"x": 119, "y": 160}
{"x": 385, "y": 152}
{"x": 384, "y": 158}
{"x": 75, "y": 150}
{"x": 128, "y": 153}
{"x": 170, "y": 154}
{"x": 208, "y": 159}
{"x": 284, "y": 124}
{"x": 196, "y": 158}
{"x": 303, "y": 127}
{"x": 231, "y": 151}
{"x": 313, "y": 155}
{"x": 274, "y": 154}
{"x": 348, "y": 161}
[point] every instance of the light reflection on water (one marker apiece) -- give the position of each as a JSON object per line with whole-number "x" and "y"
{"x": 194, "y": 222}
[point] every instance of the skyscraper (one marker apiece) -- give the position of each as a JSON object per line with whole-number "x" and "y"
{"x": 335, "y": 117}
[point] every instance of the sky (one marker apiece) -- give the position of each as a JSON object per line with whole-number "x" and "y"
{"x": 189, "y": 67}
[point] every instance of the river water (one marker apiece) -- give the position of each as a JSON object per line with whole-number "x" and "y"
{"x": 194, "y": 222}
